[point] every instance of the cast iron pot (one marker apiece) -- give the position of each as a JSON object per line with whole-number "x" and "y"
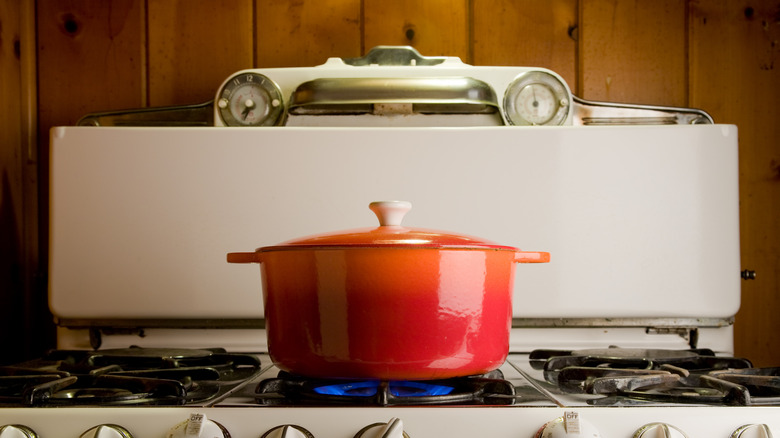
{"x": 389, "y": 303}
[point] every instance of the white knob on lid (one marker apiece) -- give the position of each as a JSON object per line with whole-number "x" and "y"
{"x": 390, "y": 213}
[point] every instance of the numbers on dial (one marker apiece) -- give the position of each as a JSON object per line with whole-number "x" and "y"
{"x": 250, "y": 99}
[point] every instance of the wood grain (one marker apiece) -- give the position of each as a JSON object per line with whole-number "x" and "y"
{"x": 633, "y": 51}
{"x": 194, "y": 45}
{"x": 433, "y": 27}
{"x": 735, "y": 74}
{"x": 307, "y": 32}
{"x": 527, "y": 33}
{"x": 90, "y": 58}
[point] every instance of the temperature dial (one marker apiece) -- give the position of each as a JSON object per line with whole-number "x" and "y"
{"x": 537, "y": 98}
{"x": 16, "y": 431}
{"x": 250, "y": 99}
{"x": 392, "y": 429}
{"x": 288, "y": 431}
{"x": 107, "y": 431}
{"x": 659, "y": 430}
{"x": 752, "y": 431}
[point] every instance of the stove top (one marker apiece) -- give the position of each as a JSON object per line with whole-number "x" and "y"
{"x": 211, "y": 393}
{"x": 593, "y": 377}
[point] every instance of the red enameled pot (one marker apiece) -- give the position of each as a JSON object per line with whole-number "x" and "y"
{"x": 390, "y": 303}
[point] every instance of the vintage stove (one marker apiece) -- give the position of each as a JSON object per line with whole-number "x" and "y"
{"x": 627, "y": 332}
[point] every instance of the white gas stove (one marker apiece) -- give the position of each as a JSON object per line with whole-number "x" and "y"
{"x": 641, "y": 222}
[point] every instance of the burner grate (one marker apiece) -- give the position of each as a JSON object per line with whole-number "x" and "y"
{"x": 667, "y": 376}
{"x": 289, "y": 389}
{"x": 133, "y": 376}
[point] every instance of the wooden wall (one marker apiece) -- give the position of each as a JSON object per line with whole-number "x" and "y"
{"x": 720, "y": 55}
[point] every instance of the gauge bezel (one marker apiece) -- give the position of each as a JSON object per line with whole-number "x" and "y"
{"x": 537, "y": 77}
{"x": 273, "y": 95}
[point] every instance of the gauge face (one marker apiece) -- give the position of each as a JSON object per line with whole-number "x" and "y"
{"x": 250, "y": 99}
{"x": 536, "y": 98}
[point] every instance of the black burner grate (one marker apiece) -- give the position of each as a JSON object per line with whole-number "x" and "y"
{"x": 667, "y": 376}
{"x": 289, "y": 389}
{"x": 133, "y": 376}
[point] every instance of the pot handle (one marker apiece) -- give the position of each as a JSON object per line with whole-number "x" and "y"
{"x": 244, "y": 257}
{"x": 532, "y": 257}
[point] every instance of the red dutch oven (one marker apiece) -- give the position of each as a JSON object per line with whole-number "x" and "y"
{"x": 390, "y": 303}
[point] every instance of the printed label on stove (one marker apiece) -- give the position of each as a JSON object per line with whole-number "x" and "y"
{"x": 571, "y": 421}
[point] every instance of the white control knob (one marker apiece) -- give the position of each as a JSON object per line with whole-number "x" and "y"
{"x": 198, "y": 426}
{"x": 659, "y": 430}
{"x": 568, "y": 426}
{"x": 288, "y": 431}
{"x": 107, "y": 431}
{"x": 16, "y": 431}
{"x": 392, "y": 429}
{"x": 752, "y": 431}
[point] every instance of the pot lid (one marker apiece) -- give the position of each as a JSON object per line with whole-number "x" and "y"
{"x": 390, "y": 233}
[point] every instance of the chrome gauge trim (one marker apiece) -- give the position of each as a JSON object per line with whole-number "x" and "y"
{"x": 537, "y": 97}
{"x": 250, "y": 99}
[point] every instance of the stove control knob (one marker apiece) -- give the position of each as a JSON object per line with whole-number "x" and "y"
{"x": 659, "y": 430}
{"x": 16, "y": 431}
{"x": 752, "y": 431}
{"x": 107, "y": 431}
{"x": 198, "y": 426}
{"x": 288, "y": 431}
{"x": 568, "y": 426}
{"x": 392, "y": 429}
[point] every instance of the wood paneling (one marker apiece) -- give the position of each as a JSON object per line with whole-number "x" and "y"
{"x": 719, "y": 55}
{"x": 91, "y": 57}
{"x": 735, "y": 74}
{"x": 633, "y": 51}
{"x": 11, "y": 185}
{"x": 433, "y": 27}
{"x": 306, "y": 32}
{"x": 195, "y": 44}
{"x": 528, "y": 33}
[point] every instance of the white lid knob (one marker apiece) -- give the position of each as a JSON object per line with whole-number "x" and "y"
{"x": 390, "y": 213}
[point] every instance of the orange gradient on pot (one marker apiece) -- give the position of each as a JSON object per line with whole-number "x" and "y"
{"x": 388, "y": 303}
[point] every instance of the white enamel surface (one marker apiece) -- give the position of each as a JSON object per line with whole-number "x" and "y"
{"x": 639, "y": 221}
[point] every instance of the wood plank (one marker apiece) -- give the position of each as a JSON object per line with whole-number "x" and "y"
{"x": 306, "y": 32}
{"x": 433, "y": 27}
{"x": 735, "y": 75}
{"x": 633, "y": 51}
{"x": 12, "y": 154}
{"x": 527, "y": 33}
{"x": 194, "y": 45}
{"x": 90, "y": 58}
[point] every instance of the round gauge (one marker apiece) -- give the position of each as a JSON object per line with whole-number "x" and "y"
{"x": 250, "y": 99}
{"x": 536, "y": 98}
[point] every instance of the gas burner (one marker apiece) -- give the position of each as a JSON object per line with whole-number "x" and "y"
{"x": 289, "y": 389}
{"x": 133, "y": 376}
{"x": 670, "y": 376}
